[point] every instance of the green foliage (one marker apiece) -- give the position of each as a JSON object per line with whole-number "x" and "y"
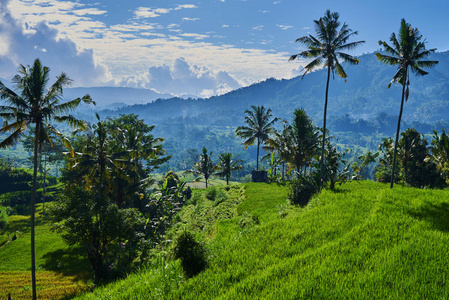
{"x": 204, "y": 167}
{"x": 226, "y": 165}
{"x": 260, "y": 125}
{"x": 108, "y": 234}
{"x": 193, "y": 254}
{"x": 302, "y": 189}
{"x": 211, "y": 192}
{"x": 3, "y": 218}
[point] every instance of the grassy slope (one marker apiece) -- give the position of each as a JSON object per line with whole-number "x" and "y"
{"x": 362, "y": 241}
{"x": 60, "y": 270}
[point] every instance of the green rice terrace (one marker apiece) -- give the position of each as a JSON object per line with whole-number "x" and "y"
{"x": 360, "y": 241}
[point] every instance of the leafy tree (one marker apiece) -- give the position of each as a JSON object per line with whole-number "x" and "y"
{"x": 100, "y": 226}
{"x": 326, "y": 48}
{"x": 302, "y": 140}
{"x": 279, "y": 143}
{"x": 36, "y": 103}
{"x": 98, "y": 163}
{"x": 412, "y": 153}
{"x": 440, "y": 154}
{"x": 226, "y": 165}
{"x": 407, "y": 52}
{"x": 204, "y": 166}
{"x": 259, "y": 127}
{"x": 361, "y": 168}
{"x": 337, "y": 170}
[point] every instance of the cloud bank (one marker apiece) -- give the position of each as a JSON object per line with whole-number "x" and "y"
{"x": 23, "y": 44}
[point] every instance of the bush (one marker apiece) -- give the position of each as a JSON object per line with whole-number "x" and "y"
{"x": 211, "y": 193}
{"x": 302, "y": 190}
{"x": 220, "y": 196}
{"x": 191, "y": 253}
{"x": 3, "y": 218}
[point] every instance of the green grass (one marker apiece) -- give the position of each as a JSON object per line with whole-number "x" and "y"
{"x": 361, "y": 241}
{"x": 59, "y": 267}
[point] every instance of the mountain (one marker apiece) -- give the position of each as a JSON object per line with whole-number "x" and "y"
{"x": 111, "y": 97}
{"x": 363, "y": 96}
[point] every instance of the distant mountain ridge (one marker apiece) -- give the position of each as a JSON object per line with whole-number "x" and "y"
{"x": 363, "y": 95}
{"x": 107, "y": 96}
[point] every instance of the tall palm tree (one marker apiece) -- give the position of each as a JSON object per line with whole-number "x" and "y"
{"x": 35, "y": 103}
{"x": 326, "y": 49}
{"x": 259, "y": 127}
{"x": 407, "y": 53}
{"x": 226, "y": 165}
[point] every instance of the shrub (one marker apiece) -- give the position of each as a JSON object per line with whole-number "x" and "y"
{"x": 191, "y": 253}
{"x": 211, "y": 193}
{"x": 220, "y": 196}
{"x": 302, "y": 190}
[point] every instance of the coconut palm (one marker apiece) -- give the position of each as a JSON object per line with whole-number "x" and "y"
{"x": 226, "y": 165}
{"x": 407, "y": 52}
{"x": 259, "y": 127}
{"x": 326, "y": 49}
{"x": 35, "y": 103}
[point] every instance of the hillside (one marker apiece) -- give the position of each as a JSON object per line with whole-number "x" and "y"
{"x": 362, "y": 241}
{"x": 364, "y": 95}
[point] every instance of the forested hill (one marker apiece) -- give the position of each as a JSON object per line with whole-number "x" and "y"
{"x": 363, "y": 95}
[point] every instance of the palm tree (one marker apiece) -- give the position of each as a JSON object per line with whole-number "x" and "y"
{"x": 326, "y": 49}
{"x": 205, "y": 166}
{"x": 226, "y": 165}
{"x": 34, "y": 103}
{"x": 407, "y": 52}
{"x": 259, "y": 127}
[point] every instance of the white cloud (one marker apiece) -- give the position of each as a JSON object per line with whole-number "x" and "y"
{"x": 39, "y": 40}
{"x": 145, "y": 12}
{"x": 284, "y": 27}
{"x": 128, "y": 49}
{"x": 183, "y": 6}
{"x": 190, "y": 19}
{"x": 224, "y": 26}
{"x": 195, "y": 35}
{"x": 89, "y": 11}
{"x": 259, "y": 27}
{"x": 182, "y": 78}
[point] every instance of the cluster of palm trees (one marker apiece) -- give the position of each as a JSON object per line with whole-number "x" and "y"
{"x": 407, "y": 52}
{"x": 206, "y": 168}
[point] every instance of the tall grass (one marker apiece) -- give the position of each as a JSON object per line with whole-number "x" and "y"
{"x": 61, "y": 270}
{"x": 361, "y": 241}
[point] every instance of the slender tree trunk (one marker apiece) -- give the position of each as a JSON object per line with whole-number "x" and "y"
{"x": 45, "y": 177}
{"x": 33, "y": 201}
{"x": 393, "y": 168}
{"x": 257, "y": 163}
{"x": 324, "y": 128}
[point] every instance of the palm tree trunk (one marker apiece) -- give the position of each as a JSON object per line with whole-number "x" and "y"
{"x": 257, "y": 158}
{"x": 33, "y": 200}
{"x": 324, "y": 128}
{"x": 393, "y": 168}
{"x": 45, "y": 177}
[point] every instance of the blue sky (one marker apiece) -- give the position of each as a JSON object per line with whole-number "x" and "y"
{"x": 192, "y": 47}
